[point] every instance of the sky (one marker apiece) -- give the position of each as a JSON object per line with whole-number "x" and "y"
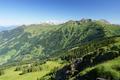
{"x": 18, "y": 12}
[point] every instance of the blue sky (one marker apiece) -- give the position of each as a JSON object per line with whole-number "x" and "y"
{"x": 15, "y": 12}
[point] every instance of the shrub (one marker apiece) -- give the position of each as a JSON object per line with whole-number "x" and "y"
{"x": 107, "y": 73}
{"x": 1, "y": 72}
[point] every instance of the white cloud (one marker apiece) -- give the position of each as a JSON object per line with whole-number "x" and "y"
{"x": 54, "y": 21}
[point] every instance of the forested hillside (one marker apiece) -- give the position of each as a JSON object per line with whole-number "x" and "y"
{"x": 74, "y": 50}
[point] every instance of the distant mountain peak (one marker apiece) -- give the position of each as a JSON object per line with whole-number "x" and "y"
{"x": 104, "y": 21}
{"x": 85, "y": 20}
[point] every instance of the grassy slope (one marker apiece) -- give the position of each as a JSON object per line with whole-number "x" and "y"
{"x": 110, "y": 68}
{"x": 42, "y": 40}
{"x": 13, "y": 42}
{"x": 88, "y": 69}
{"x": 104, "y": 68}
{"x": 39, "y": 29}
{"x": 10, "y": 74}
{"x": 69, "y": 34}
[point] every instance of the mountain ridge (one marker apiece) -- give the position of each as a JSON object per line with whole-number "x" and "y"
{"x": 68, "y": 31}
{"x": 87, "y": 42}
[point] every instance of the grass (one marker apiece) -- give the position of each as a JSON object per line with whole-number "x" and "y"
{"x": 106, "y": 67}
{"x": 4, "y": 58}
{"x": 10, "y": 74}
{"x": 39, "y": 29}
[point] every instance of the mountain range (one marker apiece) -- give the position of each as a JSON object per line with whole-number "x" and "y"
{"x": 2, "y": 28}
{"x": 75, "y": 50}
